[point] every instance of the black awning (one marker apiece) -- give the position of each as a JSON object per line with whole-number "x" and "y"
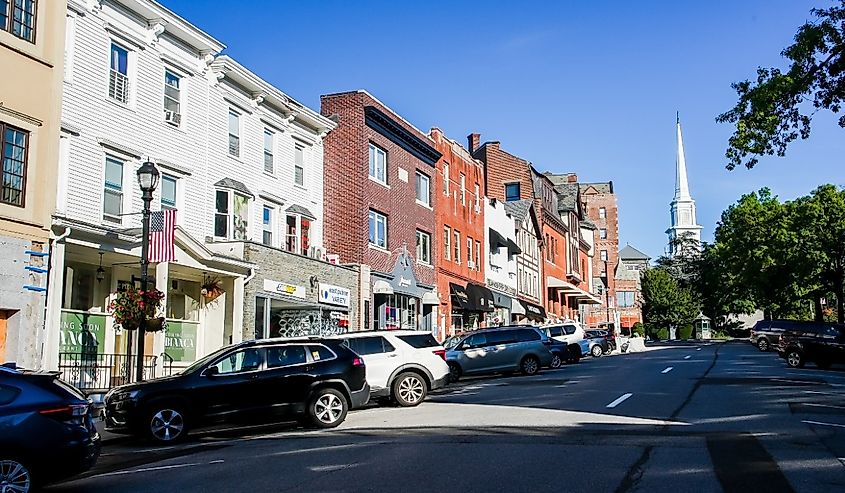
{"x": 497, "y": 240}
{"x": 513, "y": 248}
{"x": 459, "y": 296}
{"x": 534, "y": 312}
{"x": 480, "y": 298}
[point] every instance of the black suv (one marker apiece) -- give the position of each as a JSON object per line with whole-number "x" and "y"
{"x": 316, "y": 380}
{"x": 46, "y": 430}
{"x": 819, "y": 342}
{"x": 765, "y": 333}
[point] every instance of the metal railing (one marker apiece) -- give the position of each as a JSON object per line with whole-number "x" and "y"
{"x": 119, "y": 86}
{"x": 95, "y": 372}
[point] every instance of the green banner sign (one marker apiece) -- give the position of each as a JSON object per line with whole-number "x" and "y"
{"x": 82, "y": 333}
{"x": 180, "y": 341}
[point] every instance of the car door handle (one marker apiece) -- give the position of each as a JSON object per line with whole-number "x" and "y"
{"x": 393, "y": 355}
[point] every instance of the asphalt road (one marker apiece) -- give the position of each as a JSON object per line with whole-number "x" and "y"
{"x": 687, "y": 417}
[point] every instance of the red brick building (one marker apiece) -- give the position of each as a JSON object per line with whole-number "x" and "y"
{"x": 379, "y": 206}
{"x": 460, "y": 248}
{"x": 555, "y": 242}
{"x": 602, "y": 209}
{"x": 632, "y": 263}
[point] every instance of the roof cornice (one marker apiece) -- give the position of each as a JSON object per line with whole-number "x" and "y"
{"x": 156, "y": 13}
{"x": 385, "y": 125}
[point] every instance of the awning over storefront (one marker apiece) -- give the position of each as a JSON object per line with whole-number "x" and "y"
{"x": 497, "y": 240}
{"x": 430, "y": 298}
{"x": 517, "y": 308}
{"x": 480, "y": 298}
{"x": 534, "y": 312}
{"x": 382, "y": 287}
{"x": 459, "y": 295}
{"x": 513, "y": 248}
{"x": 501, "y": 300}
{"x": 573, "y": 291}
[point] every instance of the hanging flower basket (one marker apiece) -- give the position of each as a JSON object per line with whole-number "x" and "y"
{"x": 211, "y": 287}
{"x": 130, "y": 307}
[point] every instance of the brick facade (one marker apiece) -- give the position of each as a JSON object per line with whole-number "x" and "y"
{"x": 598, "y": 197}
{"x": 459, "y": 210}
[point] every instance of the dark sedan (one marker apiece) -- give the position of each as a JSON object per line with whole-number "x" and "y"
{"x": 46, "y": 430}
{"x": 599, "y": 342}
{"x": 315, "y": 380}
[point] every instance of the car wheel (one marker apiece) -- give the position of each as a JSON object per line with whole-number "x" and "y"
{"x": 327, "y": 408}
{"x": 530, "y": 365}
{"x": 556, "y": 361}
{"x": 795, "y": 359}
{"x": 409, "y": 389}
{"x": 763, "y": 344}
{"x": 596, "y": 351}
{"x": 823, "y": 364}
{"x": 454, "y": 372}
{"x": 166, "y": 423}
{"x": 608, "y": 350}
{"x": 14, "y": 477}
{"x": 574, "y": 354}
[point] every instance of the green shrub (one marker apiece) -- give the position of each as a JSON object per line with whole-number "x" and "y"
{"x": 639, "y": 329}
{"x": 685, "y": 332}
{"x": 663, "y": 334}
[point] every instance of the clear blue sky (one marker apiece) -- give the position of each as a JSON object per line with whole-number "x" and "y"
{"x": 590, "y": 87}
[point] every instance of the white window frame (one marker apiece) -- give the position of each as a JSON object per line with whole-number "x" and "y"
{"x": 423, "y": 247}
{"x": 602, "y": 212}
{"x": 229, "y": 133}
{"x": 446, "y": 179}
{"x": 603, "y": 255}
{"x": 269, "y": 152}
{"x": 469, "y": 250}
{"x": 372, "y": 170}
{"x": 269, "y": 226}
{"x": 128, "y": 75}
{"x": 477, "y": 198}
{"x": 458, "y": 247}
{"x": 463, "y": 189}
{"x": 70, "y": 45}
{"x": 477, "y": 255}
{"x": 165, "y": 97}
{"x": 603, "y": 233}
{"x": 426, "y": 201}
{"x": 117, "y": 191}
{"x": 299, "y": 150}
{"x": 167, "y": 176}
{"x": 447, "y": 243}
{"x": 376, "y": 218}
{"x": 230, "y": 214}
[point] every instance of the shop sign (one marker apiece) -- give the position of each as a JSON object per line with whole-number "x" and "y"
{"x": 82, "y": 333}
{"x": 284, "y": 288}
{"x": 334, "y": 295}
{"x": 180, "y": 341}
{"x": 500, "y": 286}
{"x": 404, "y": 282}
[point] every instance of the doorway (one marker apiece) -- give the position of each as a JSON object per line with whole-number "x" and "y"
{"x": 4, "y": 317}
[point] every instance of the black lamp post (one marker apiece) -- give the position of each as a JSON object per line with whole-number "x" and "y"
{"x": 148, "y": 181}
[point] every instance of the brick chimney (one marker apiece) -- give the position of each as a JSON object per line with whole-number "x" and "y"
{"x": 572, "y": 178}
{"x": 473, "y": 140}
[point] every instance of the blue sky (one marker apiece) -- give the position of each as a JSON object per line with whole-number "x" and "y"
{"x": 590, "y": 87}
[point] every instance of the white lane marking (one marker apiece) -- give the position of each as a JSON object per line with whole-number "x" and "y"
{"x": 699, "y": 349}
{"x": 822, "y": 423}
{"x": 688, "y": 356}
{"x": 667, "y": 370}
{"x": 218, "y": 461}
{"x": 806, "y": 382}
{"x": 147, "y": 469}
{"x": 822, "y": 405}
{"x": 618, "y": 401}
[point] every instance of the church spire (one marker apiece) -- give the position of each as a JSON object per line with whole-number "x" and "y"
{"x": 681, "y": 184}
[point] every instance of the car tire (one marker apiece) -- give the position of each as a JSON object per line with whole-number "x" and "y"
{"x": 608, "y": 350}
{"x": 409, "y": 389}
{"x": 455, "y": 372}
{"x": 794, "y": 358}
{"x": 15, "y": 474}
{"x": 166, "y": 422}
{"x": 573, "y": 354}
{"x": 327, "y": 408}
{"x": 529, "y": 365}
{"x": 763, "y": 344}
{"x": 596, "y": 351}
{"x": 557, "y": 362}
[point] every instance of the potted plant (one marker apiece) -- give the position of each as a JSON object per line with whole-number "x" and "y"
{"x": 130, "y": 307}
{"x": 211, "y": 287}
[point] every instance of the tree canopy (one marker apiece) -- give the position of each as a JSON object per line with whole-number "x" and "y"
{"x": 777, "y": 107}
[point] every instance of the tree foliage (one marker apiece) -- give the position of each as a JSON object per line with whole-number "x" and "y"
{"x": 778, "y": 106}
{"x": 665, "y": 302}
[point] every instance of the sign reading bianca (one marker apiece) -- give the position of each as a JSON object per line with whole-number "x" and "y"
{"x": 334, "y": 295}
{"x": 284, "y": 288}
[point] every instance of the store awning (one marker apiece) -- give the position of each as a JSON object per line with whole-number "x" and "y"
{"x": 430, "y": 298}
{"x": 382, "y": 287}
{"x": 480, "y": 298}
{"x": 497, "y": 240}
{"x": 534, "y": 312}
{"x": 513, "y": 248}
{"x": 554, "y": 282}
{"x": 517, "y": 308}
{"x": 459, "y": 296}
{"x": 502, "y": 301}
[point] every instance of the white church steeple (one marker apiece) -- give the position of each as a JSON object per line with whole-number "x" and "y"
{"x": 684, "y": 225}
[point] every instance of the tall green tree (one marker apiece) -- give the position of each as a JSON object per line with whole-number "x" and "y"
{"x": 665, "y": 302}
{"x": 777, "y": 107}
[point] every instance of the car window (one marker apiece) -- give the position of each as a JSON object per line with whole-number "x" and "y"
{"x": 476, "y": 340}
{"x": 556, "y": 331}
{"x": 240, "y": 361}
{"x": 569, "y": 329}
{"x": 501, "y": 337}
{"x": 369, "y": 345}
{"x": 8, "y": 394}
{"x": 285, "y": 356}
{"x": 420, "y": 341}
{"x": 320, "y": 353}
{"x": 527, "y": 335}
{"x": 830, "y": 332}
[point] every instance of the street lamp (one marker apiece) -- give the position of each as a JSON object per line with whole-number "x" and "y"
{"x": 148, "y": 181}
{"x": 607, "y": 296}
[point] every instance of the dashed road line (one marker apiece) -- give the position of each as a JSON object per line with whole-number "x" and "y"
{"x": 688, "y": 356}
{"x": 667, "y": 370}
{"x": 821, "y": 423}
{"x": 698, "y": 349}
{"x": 618, "y": 401}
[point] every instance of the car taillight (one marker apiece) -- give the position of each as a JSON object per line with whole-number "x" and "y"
{"x": 357, "y": 362}
{"x": 441, "y": 353}
{"x": 65, "y": 413}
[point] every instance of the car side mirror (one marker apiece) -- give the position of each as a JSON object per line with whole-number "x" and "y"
{"x": 211, "y": 371}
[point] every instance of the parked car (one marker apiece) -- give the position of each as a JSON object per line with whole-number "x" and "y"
{"x": 315, "y": 380}
{"x": 403, "y": 365}
{"x": 46, "y": 430}
{"x": 821, "y": 343}
{"x": 599, "y": 343}
{"x": 765, "y": 333}
{"x": 565, "y": 345}
{"x": 500, "y": 350}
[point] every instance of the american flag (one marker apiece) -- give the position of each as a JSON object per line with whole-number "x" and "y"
{"x": 162, "y": 231}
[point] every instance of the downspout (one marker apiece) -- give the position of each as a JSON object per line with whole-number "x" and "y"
{"x": 53, "y": 241}
{"x": 250, "y": 276}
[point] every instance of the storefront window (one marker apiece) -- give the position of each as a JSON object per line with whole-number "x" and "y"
{"x": 401, "y": 312}
{"x": 82, "y": 291}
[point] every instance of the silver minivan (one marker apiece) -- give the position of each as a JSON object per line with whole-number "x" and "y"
{"x": 502, "y": 349}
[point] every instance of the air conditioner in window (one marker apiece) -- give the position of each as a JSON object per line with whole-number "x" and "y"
{"x": 316, "y": 252}
{"x": 477, "y": 209}
{"x": 470, "y": 264}
{"x": 172, "y": 117}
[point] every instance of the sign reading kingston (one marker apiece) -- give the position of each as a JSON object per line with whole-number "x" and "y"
{"x": 284, "y": 288}
{"x": 334, "y": 295}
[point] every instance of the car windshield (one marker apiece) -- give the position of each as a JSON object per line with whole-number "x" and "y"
{"x": 202, "y": 362}
{"x": 451, "y": 342}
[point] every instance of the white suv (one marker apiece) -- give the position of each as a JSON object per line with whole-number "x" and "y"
{"x": 403, "y": 365}
{"x": 570, "y": 332}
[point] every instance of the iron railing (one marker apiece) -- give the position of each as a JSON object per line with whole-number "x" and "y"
{"x": 93, "y": 372}
{"x": 119, "y": 86}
